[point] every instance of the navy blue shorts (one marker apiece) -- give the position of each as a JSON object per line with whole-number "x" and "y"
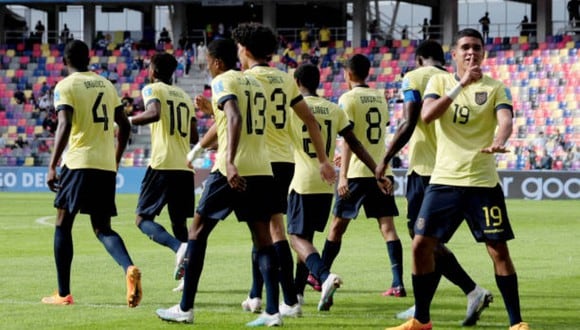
{"x": 308, "y": 213}
{"x": 283, "y": 173}
{"x": 445, "y": 207}
{"x": 218, "y": 199}
{"x": 88, "y": 191}
{"x": 174, "y": 188}
{"x": 365, "y": 192}
{"x": 416, "y": 185}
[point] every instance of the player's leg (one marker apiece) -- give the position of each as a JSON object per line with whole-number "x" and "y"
{"x": 478, "y": 298}
{"x": 267, "y": 261}
{"x": 307, "y": 214}
{"x": 438, "y": 219}
{"x": 180, "y": 206}
{"x": 115, "y": 246}
{"x": 199, "y": 232}
{"x": 153, "y": 197}
{"x": 63, "y": 256}
{"x": 286, "y": 276}
{"x": 489, "y": 223}
{"x": 384, "y": 209}
{"x": 333, "y": 241}
{"x": 251, "y": 206}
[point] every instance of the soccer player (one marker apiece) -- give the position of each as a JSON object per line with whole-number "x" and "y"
{"x": 466, "y": 109}
{"x": 88, "y": 107}
{"x": 310, "y": 197}
{"x": 430, "y": 59}
{"x": 367, "y": 109}
{"x": 241, "y": 181}
{"x": 168, "y": 180}
{"x": 256, "y": 44}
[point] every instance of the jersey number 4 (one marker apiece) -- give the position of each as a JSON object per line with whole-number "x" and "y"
{"x": 100, "y": 118}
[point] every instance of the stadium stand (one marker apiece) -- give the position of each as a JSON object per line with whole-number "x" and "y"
{"x": 543, "y": 79}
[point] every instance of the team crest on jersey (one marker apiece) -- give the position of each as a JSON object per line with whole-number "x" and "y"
{"x": 420, "y": 223}
{"x": 147, "y": 92}
{"x": 57, "y": 96}
{"x": 480, "y": 98}
{"x": 218, "y": 87}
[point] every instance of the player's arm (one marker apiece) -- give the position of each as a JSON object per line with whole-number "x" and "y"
{"x": 208, "y": 141}
{"x": 359, "y": 150}
{"x": 304, "y": 113}
{"x": 61, "y": 136}
{"x": 504, "y": 131}
{"x": 194, "y": 134}
{"x": 124, "y": 132}
{"x": 411, "y": 112}
{"x": 234, "y": 131}
{"x": 151, "y": 114}
{"x": 345, "y": 155}
{"x": 203, "y": 104}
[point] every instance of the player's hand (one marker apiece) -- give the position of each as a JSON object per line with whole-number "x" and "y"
{"x": 495, "y": 148}
{"x": 203, "y": 104}
{"x": 327, "y": 173}
{"x": 472, "y": 73}
{"x": 235, "y": 181}
{"x": 342, "y": 188}
{"x": 380, "y": 170}
{"x": 52, "y": 180}
{"x": 337, "y": 160}
{"x": 385, "y": 185}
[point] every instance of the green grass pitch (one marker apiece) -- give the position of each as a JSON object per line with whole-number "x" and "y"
{"x": 546, "y": 253}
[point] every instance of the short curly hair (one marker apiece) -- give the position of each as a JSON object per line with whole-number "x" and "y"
{"x": 260, "y": 40}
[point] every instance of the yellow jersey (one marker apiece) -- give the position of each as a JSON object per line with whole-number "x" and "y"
{"x": 332, "y": 121}
{"x": 466, "y": 127}
{"x": 170, "y": 135}
{"x": 94, "y": 100}
{"x": 367, "y": 109}
{"x": 252, "y": 156}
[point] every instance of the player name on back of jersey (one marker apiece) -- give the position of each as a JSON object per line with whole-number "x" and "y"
{"x": 319, "y": 110}
{"x": 371, "y": 99}
{"x": 176, "y": 94}
{"x": 275, "y": 79}
{"x": 94, "y": 84}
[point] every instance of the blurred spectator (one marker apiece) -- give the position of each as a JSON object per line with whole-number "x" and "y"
{"x": 201, "y": 59}
{"x": 188, "y": 61}
{"x": 113, "y": 76}
{"x": 374, "y": 30}
{"x": 39, "y": 29}
{"x": 20, "y": 97}
{"x": 49, "y": 123}
{"x": 540, "y": 141}
{"x": 209, "y": 31}
{"x": 45, "y": 102}
{"x": 44, "y": 88}
{"x": 65, "y": 35}
{"x": 164, "y": 36}
{"x": 405, "y": 32}
{"x": 2, "y": 142}
{"x": 289, "y": 57}
{"x": 324, "y": 36}
{"x": 127, "y": 46}
{"x": 532, "y": 158}
{"x": 485, "y": 21}
{"x": 20, "y": 142}
{"x": 305, "y": 39}
{"x": 425, "y": 28}
{"x": 573, "y": 13}
{"x": 546, "y": 161}
{"x": 558, "y": 138}
{"x": 524, "y": 27}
